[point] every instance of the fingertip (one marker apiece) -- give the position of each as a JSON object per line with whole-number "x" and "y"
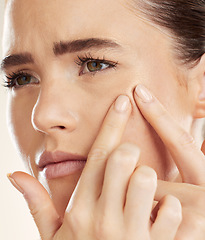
{"x": 143, "y": 94}
{"x": 20, "y": 179}
{"x": 122, "y": 104}
{"x": 172, "y": 207}
{"x": 18, "y": 174}
{"x": 14, "y": 183}
{"x": 26, "y": 184}
{"x": 39, "y": 202}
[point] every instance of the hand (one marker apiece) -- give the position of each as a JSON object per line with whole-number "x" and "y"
{"x": 190, "y": 161}
{"x": 112, "y": 200}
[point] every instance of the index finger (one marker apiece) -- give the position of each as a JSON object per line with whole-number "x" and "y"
{"x": 188, "y": 158}
{"x": 107, "y": 140}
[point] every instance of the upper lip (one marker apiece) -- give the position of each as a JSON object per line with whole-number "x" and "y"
{"x": 47, "y": 158}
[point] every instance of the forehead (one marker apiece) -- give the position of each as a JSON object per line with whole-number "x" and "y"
{"x": 40, "y": 12}
{"x": 34, "y": 26}
{"x": 51, "y": 20}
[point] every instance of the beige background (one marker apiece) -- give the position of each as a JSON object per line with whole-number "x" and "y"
{"x": 15, "y": 220}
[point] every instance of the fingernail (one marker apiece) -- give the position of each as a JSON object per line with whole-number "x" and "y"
{"x": 122, "y": 103}
{"x": 143, "y": 93}
{"x": 13, "y": 182}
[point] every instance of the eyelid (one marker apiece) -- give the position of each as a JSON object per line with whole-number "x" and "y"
{"x": 23, "y": 71}
{"x": 85, "y": 69}
{"x": 11, "y": 78}
{"x": 82, "y": 61}
{"x": 88, "y": 58}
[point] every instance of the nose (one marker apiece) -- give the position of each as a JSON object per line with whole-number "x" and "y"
{"x": 54, "y": 111}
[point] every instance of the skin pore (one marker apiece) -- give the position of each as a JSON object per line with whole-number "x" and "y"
{"x": 64, "y": 105}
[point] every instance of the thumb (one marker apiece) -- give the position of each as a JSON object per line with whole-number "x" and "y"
{"x": 39, "y": 203}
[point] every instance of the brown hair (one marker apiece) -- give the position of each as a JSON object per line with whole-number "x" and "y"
{"x": 185, "y": 19}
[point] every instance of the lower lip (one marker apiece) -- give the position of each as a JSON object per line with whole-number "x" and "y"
{"x": 62, "y": 169}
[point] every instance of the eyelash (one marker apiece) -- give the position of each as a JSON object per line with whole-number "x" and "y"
{"x": 82, "y": 61}
{"x": 10, "y": 82}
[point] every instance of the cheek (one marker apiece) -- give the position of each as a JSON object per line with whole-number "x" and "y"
{"x": 138, "y": 130}
{"x": 165, "y": 82}
{"x": 153, "y": 152}
{"x": 102, "y": 93}
{"x": 19, "y": 121}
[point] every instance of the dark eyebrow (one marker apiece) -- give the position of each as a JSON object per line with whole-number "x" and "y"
{"x": 59, "y": 49}
{"x": 16, "y": 59}
{"x": 82, "y": 44}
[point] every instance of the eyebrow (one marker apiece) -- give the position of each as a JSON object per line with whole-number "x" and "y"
{"x": 15, "y": 60}
{"x": 83, "y": 44}
{"x": 60, "y": 49}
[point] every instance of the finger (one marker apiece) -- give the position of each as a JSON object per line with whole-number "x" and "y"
{"x": 39, "y": 202}
{"x": 120, "y": 166}
{"x": 165, "y": 188}
{"x": 188, "y": 158}
{"x": 139, "y": 200}
{"x": 192, "y": 199}
{"x": 169, "y": 217}
{"x": 186, "y": 193}
{"x": 90, "y": 183}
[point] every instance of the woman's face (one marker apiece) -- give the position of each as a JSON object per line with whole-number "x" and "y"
{"x": 62, "y": 106}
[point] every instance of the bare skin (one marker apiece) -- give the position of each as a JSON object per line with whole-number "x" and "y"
{"x": 114, "y": 205}
{"x": 57, "y": 110}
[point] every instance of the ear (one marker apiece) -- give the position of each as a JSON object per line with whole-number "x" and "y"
{"x": 200, "y": 97}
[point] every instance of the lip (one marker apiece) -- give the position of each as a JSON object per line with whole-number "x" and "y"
{"x": 60, "y": 164}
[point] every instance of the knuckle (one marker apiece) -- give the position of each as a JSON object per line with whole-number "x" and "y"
{"x": 99, "y": 153}
{"x": 124, "y": 156}
{"x": 71, "y": 218}
{"x": 160, "y": 114}
{"x": 173, "y": 209}
{"x": 102, "y": 230}
{"x": 185, "y": 139}
{"x": 106, "y": 226}
{"x": 76, "y": 218}
{"x": 130, "y": 147}
{"x": 145, "y": 176}
{"x": 112, "y": 124}
{"x": 36, "y": 212}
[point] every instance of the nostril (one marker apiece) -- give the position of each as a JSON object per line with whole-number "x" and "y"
{"x": 58, "y": 127}
{"x": 50, "y": 118}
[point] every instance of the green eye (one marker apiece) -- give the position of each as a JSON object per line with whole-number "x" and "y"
{"x": 94, "y": 66}
{"x": 20, "y": 79}
{"x": 25, "y": 79}
{"x": 88, "y": 64}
